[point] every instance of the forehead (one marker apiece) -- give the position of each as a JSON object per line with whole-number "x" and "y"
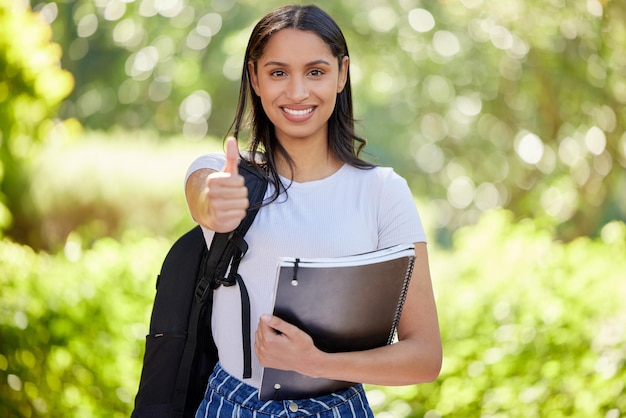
{"x": 294, "y": 45}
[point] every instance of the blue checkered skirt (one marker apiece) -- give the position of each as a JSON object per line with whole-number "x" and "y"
{"x": 227, "y": 396}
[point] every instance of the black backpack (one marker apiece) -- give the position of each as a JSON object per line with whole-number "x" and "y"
{"x": 180, "y": 351}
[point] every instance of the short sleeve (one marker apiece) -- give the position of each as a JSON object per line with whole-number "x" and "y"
{"x": 399, "y": 221}
{"x": 213, "y": 161}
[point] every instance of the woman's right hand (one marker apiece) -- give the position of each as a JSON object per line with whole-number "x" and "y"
{"x": 220, "y": 203}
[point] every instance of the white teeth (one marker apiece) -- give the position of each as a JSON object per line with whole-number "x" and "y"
{"x": 298, "y": 112}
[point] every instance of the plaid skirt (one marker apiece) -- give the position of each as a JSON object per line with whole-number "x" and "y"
{"x": 227, "y": 396}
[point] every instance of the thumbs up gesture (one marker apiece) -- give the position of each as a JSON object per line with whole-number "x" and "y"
{"x": 226, "y": 195}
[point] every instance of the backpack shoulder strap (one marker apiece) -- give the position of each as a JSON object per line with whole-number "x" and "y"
{"x": 226, "y": 251}
{"x": 235, "y": 247}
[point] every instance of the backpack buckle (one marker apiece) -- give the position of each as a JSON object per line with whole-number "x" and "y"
{"x": 229, "y": 280}
{"x": 201, "y": 289}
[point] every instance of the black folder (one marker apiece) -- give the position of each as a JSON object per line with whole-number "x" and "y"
{"x": 345, "y": 304}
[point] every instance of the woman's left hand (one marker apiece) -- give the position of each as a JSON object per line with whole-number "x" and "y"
{"x": 281, "y": 345}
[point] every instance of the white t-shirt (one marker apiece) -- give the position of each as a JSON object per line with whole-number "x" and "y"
{"x": 352, "y": 211}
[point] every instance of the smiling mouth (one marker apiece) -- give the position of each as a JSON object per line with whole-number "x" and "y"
{"x": 298, "y": 112}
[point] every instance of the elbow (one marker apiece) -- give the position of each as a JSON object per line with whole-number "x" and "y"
{"x": 435, "y": 363}
{"x": 432, "y": 370}
{"x": 428, "y": 366}
{"x": 423, "y": 371}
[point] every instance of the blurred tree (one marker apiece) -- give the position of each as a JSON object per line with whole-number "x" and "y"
{"x": 521, "y": 105}
{"x": 479, "y": 103}
{"x": 32, "y": 85}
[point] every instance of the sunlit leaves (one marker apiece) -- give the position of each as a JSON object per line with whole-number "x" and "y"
{"x": 73, "y": 330}
{"x": 32, "y": 85}
{"x": 527, "y": 326}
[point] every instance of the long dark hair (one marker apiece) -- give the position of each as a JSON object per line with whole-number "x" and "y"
{"x": 342, "y": 140}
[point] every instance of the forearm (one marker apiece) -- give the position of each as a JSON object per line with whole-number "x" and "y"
{"x": 196, "y": 196}
{"x": 403, "y": 363}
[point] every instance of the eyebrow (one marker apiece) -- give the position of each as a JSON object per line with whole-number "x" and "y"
{"x": 282, "y": 64}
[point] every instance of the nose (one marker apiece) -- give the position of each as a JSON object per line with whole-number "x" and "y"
{"x": 297, "y": 89}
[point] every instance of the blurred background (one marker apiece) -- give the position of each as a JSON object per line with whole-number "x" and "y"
{"x": 507, "y": 118}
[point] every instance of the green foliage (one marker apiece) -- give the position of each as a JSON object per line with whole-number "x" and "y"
{"x": 480, "y": 103}
{"x": 72, "y": 326}
{"x": 32, "y": 85}
{"x": 530, "y": 326}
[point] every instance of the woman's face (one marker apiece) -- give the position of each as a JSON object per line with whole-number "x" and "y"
{"x": 297, "y": 79}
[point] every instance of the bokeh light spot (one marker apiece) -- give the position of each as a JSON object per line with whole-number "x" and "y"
{"x": 87, "y": 26}
{"x": 169, "y": 8}
{"x": 421, "y": 20}
{"x": 382, "y": 19}
{"x": 197, "y": 41}
{"x": 559, "y": 201}
{"x": 469, "y": 105}
{"x": 430, "y": 158}
{"x": 530, "y": 148}
{"x": 595, "y": 140}
{"x": 487, "y": 196}
{"x": 594, "y": 7}
{"x": 461, "y": 192}
{"x": 446, "y": 43}
{"x": 570, "y": 151}
{"x": 48, "y": 12}
{"x": 439, "y": 89}
{"x": 114, "y": 10}
{"x": 209, "y": 24}
{"x": 196, "y": 107}
{"x": 501, "y": 38}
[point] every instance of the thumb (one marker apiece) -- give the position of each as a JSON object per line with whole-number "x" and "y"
{"x": 275, "y": 323}
{"x": 232, "y": 156}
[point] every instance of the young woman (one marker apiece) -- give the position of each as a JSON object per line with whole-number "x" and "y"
{"x": 322, "y": 201}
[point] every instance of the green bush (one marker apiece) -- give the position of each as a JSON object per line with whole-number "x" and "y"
{"x": 531, "y": 327}
{"x": 32, "y": 85}
{"x": 72, "y": 326}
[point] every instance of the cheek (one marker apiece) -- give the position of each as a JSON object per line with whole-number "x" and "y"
{"x": 269, "y": 107}
{"x": 268, "y": 92}
{"x": 267, "y": 101}
{"x": 332, "y": 99}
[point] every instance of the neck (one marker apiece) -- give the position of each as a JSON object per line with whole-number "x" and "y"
{"x": 310, "y": 163}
